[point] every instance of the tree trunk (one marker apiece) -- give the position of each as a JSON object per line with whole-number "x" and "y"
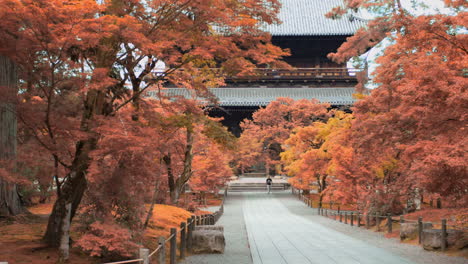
{"x": 322, "y": 183}
{"x": 176, "y": 185}
{"x": 170, "y": 178}
{"x": 10, "y": 201}
{"x": 187, "y": 172}
{"x": 75, "y": 183}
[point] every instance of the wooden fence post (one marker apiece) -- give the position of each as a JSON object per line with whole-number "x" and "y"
{"x": 162, "y": 251}
{"x": 173, "y": 245}
{"x": 183, "y": 239}
{"x": 338, "y": 209}
{"x": 191, "y": 224}
{"x": 444, "y": 235}
{"x": 358, "y": 219}
{"x": 341, "y": 217}
{"x": 346, "y": 217}
{"x": 352, "y": 219}
{"x": 144, "y": 254}
{"x": 367, "y": 221}
{"x": 377, "y": 221}
{"x": 420, "y": 228}
{"x": 389, "y": 223}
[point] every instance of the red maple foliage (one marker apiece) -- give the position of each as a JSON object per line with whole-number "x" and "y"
{"x": 84, "y": 67}
{"x": 272, "y": 125}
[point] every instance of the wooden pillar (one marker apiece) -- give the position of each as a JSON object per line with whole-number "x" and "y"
{"x": 183, "y": 239}
{"x": 444, "y": 235}
{"x": 377, "y": 221}
{"x": 162, "y": 251}
{"x": 389, "y": 223}
{"x": 420, "y": 228}
{"x": 190, "y": 227}
{"x": 173, "y": 246}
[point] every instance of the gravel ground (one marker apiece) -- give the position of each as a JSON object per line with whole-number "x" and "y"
{"x": 412, "y": 252}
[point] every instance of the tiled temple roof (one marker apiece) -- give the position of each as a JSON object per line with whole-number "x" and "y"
{"x": 307, "y": 18}
{"x": 263, "y": 96}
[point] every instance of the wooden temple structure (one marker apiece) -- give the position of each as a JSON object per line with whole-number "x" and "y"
{"x": 310, "y": 36}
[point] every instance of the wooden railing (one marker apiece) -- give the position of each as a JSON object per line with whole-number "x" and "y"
{"x": 297, "y": 74}
{"x": 158, "y": 255}
{"x": 358, "y": 219}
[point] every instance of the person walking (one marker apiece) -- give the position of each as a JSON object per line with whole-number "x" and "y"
{"x": 268, "y": 183}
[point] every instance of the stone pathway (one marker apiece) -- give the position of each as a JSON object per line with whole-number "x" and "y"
{"x": 282, "y": 230}
{"x": 277, "y": 236}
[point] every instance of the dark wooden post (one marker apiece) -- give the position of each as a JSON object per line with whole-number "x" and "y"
{"x": 367, "y": 221}
{"x": 189, "y": 233}
{"x": 173, "y": 245}
{"x": 183, "y": 239}
{"x": 444, "y": 235}
{"x": 341, "y": 217}
{"x": 439, "y": 203}
{"x": 377, "y": 221}
{"x": 420, "y": 228}
{"x": 346, "y": 217}
{"x": 162, "y": 250}
{"x": 352, "y": 219}
{"x": 338, "y": 209}
{"x": 358, "y": 219}
{"x": 389, "y": 223}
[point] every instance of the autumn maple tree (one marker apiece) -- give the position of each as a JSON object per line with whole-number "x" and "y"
{"x": 84, "y": 67}
{"x": 309, "y": 156}
{"x": 407, "y": 136}
{"x": 272, "y": 125}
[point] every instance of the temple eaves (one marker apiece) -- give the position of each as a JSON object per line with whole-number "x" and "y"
{"x": 249, "y": 96}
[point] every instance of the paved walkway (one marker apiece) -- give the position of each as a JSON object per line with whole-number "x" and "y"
{"x": 277, "y": 236}
{"x": 282, "y": 230}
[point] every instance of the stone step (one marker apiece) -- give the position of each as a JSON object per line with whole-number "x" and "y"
{"x": 254, "y": 174}
{"x": 255, "y": 184}
{"x": 255, "y": 188}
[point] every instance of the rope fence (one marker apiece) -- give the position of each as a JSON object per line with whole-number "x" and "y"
{"x": 185, "y": 240}
{"x": 367, "y": 220}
